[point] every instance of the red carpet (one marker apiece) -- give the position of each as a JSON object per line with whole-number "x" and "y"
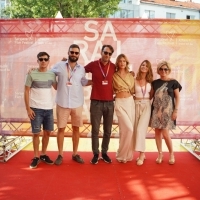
{"x": 114, "y": 181}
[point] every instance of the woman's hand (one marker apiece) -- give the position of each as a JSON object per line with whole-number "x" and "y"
{"x": 174, "y": 115}
{"x": 132, "y": 73}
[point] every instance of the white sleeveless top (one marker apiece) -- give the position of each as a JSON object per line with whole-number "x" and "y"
{"x": 140, "y": 91}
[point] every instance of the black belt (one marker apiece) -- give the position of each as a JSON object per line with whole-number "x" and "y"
{"x": 102, "y": 101}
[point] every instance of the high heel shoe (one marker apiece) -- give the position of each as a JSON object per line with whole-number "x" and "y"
{"x": 140, "y": 161}
{"x": 160, "y": 158}
{"x": 171, "y": 159}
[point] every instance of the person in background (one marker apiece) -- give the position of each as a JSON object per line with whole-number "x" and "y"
{"x": 69, "y": 100}
{"x": 39, "y": 101}
{"x": 102, "y": 104}
{"x": 166, "y": 100}
{"x": 143, "y": 81}
{"x": 123, "y": 87}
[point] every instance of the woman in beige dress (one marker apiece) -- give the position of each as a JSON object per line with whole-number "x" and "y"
{"x": 123, "y": 87}
{"x": 142, "y": 108}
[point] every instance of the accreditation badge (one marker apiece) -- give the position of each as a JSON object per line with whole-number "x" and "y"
{"x": 69, "y": 84}
{"x": 104, "y": 82}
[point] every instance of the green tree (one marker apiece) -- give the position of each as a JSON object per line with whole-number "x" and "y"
{"x": 68, "y": 8}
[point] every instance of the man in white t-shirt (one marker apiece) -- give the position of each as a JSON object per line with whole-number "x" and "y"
{"x": 39, "y": 101}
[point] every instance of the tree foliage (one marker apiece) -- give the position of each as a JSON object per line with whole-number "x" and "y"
{"x": 68, "y": 8}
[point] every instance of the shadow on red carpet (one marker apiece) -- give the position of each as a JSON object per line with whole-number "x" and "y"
{"x": 113, "y": 181}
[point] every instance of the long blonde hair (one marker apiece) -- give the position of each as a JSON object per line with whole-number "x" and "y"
{"x": 117, "y": 61}
{"x": 149, "y": 75}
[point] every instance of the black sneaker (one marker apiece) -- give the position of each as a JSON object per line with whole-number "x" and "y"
{"x": 46, "y": 159}
{"x": 106, "y": 158}
{"x": 95, "y": 159}
{"x": 59, "y": 160}
{"x": 77, "y": 158}
{"x": 34, "y": 163}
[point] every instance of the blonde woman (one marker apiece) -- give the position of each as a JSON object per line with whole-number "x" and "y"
{"x": 142, "y": 108}
{"x": 123, "y": 87}
{"x": 164, "y": 109}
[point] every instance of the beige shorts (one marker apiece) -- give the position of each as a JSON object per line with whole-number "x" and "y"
{"x": 64, "y": 113}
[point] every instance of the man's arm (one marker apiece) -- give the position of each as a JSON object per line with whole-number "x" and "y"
{"x": 89, "y": 82}
{"x": 54, "y": 85}
{"x": 30, "y": 112}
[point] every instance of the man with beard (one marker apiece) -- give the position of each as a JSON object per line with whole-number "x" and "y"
{"x": 69, "y": 100}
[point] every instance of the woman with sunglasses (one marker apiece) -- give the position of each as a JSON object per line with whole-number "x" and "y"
{"x": 123, "y": 87}
{"x": 142, "y": 108}
{"x": 165, "y": 93}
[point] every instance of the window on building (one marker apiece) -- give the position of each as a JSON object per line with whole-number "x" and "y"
{"x": 150, "y": 14}
{"x": 190, "y": 17}
{"x": 170, "y": 15}
{"x": 3, "y": 4}
{"x": 126, "y": 1}
{"x": 126, "y": 13}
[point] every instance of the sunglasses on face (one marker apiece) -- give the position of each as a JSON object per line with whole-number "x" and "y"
{"x": 74, "y": 52}
{"x": 163, "y": 69}
{"x": 41, "y": 59}
{"x": 107, "y": 53}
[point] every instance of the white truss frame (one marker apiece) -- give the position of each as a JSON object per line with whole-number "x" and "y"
{"x": 11, "y": 145}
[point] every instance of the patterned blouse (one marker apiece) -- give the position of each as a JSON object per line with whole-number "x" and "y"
{"x": 163, "y": 103}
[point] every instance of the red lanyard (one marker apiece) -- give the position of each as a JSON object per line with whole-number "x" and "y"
{"x": 104, "y": 75}
{"x": 70, "y": 72}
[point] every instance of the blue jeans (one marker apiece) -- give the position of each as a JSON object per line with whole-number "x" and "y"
{"x": 42, "y": 118}
{"x": 97, "y": 110}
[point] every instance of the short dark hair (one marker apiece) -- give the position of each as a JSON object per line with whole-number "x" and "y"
{"x": 74, "y": 46}
{"x": 43, "y": 54}
{"x": 109, "y": 46}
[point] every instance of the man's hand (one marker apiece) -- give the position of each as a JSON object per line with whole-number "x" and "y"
{"x": 64, "y": 59}
{"x": 31, "y": 114}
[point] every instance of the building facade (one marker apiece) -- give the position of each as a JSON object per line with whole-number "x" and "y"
{"x": 148, "y": 9}
{"x": 163, "y": 9}
{"x": 3, "y": 4}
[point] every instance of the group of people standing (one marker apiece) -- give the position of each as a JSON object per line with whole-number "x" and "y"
{"x": 131, "y": 102}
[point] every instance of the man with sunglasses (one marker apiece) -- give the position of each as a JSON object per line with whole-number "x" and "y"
{"x": 102, "y": 104}
{"x": 69, "y": 100}
{"x": 39, "y": 103}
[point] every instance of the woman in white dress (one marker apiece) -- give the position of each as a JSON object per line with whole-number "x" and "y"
{"x": 142, "y": 108}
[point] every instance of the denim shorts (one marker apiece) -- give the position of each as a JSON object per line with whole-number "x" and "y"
{"x": 42, "y": 118}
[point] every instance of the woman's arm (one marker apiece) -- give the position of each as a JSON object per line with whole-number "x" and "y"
{"x": 177, "y": 102}
{"x": 151, "y": 93}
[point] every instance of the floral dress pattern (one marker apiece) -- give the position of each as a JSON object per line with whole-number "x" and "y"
{"x": 163, "y": 104}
